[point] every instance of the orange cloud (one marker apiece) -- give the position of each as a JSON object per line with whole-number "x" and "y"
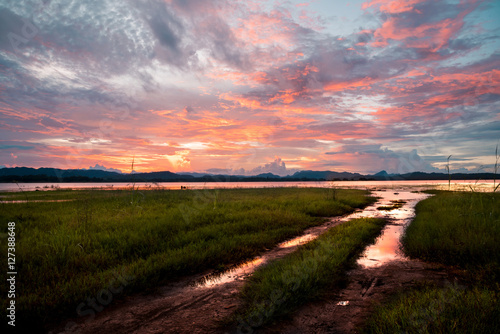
{"x": 393, "y": 6}
{"x": 364, "y": 83}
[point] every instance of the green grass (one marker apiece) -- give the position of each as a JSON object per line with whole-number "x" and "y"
{"x": 446, "y": 310}
{"x": 69, "y": 251}
{"x": 459, "y": 229}
{"x": 456, "y": 228}
{"x": 281, "y": 286}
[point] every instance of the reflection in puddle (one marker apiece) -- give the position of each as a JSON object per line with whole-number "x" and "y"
{"x": 385, "y": 249}
{"x": 243, "y": 270}
{"x": 298, "y": 241}
{"x": 233, "y": 274}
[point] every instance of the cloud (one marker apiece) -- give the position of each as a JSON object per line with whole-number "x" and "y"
{"x": 98, "y": 82}
{"x": 374, "y": 158}
{"x": 101, "y": 167}
{"x": 277, "y": 167}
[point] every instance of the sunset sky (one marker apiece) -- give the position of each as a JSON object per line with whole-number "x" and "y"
{"x": 246, "y": 87}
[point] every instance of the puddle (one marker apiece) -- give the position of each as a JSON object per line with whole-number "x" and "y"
{"x": 244, "y": 270}
{"x": 36, "y": 201}
{"x": 239, "y": 272}
{"x": 298, "y": 241}
{"x": 386, "y": 246}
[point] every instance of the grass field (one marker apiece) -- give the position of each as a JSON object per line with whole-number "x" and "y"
{"x": 453, "y": 228}
{"x": 284, "y": 284}
{"x": 128, "y": 241}
{"x": 457, "y": 229}
{"x": 430, "y": 309}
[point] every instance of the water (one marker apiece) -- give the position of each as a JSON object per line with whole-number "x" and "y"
{"x": 385, "y": 248}
{"x": 486, "y": 185}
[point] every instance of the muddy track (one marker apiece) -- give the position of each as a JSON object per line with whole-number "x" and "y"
{"x": 196, "y": 304}
{"x": 199, "y": 304}
{"x": 366, "y": 288}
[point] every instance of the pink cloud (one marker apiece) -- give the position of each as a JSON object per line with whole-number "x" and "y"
{"x": 393, "y": 6}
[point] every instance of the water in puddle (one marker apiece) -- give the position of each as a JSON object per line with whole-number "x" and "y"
{"x": 298, "y": 241}
{"x": 386, "y": 247}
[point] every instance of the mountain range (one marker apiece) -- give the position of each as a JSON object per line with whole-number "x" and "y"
{"x": 27, "y": 174}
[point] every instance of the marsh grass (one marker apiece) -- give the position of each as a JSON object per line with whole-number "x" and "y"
{"x": 458, "y": 229}
{"x": 432, "y": 309}
{"x": 69, "y": 251}
{"x": 284, "y": 284}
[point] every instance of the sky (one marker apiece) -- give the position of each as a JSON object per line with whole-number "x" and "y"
{"x": 249, "y": 87}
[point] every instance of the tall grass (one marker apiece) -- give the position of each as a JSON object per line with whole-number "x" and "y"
{"x": 69, "y": 251}
{"x": 285, "y": 284}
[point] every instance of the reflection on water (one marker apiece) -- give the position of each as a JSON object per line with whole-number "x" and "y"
{"x": 298, "y": 241}
{"x": 484, "y": 185}
{"x": 238, "y": 272}
{"x": 387, "y": 245}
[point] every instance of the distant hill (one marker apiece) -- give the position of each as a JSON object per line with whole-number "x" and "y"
{"x": 268, "y": 175}
{"x": 326, "y": 175}
{"x": 26, "y": 174}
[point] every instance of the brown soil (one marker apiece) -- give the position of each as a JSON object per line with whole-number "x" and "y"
{"x": 366, "y": 288}
{"x": 166, "y": 311}
{"x": 175, "y": 309}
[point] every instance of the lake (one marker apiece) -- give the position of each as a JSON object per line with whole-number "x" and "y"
{"x": 483, "y": 185}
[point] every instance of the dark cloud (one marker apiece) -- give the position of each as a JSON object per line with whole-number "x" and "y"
{"x": 163, "y": 31}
